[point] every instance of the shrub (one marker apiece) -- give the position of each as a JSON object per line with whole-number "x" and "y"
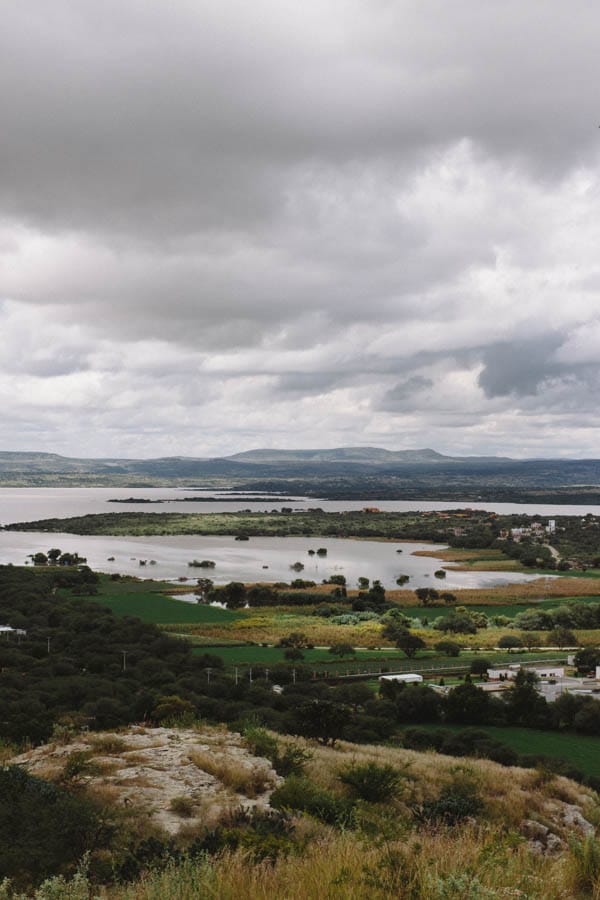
{"x": 449, "y": 648}
{"x": 109, "y": 745}
{"x": 262, "y": 834}
{"x": 480, "y": 666}
{"x": 182, "y": 806}
{"x": 44, "y": 830}
{"x": 372, "y": 782}
{"x": 457, "y": 801}
{"x": 291, "y": 762}
{"x": 508, "y": 641}
{"x": 302, "y": 795}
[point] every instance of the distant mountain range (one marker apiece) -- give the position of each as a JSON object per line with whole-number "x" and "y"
{"x": 182, "y": 466}
{"x": 342, "y": 473}
{"x": 367, "y": 455}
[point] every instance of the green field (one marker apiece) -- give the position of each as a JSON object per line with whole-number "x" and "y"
{"x": 149, "y": 602}
{"x": 256, "y": 655}
{"x": 362, "y": 661}
{"x": 581, "y": 750}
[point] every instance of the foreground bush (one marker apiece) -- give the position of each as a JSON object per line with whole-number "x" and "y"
{"x": 372, "y": 782}
{"x": 43, "y": 828}
{"x": 299, "y": 794}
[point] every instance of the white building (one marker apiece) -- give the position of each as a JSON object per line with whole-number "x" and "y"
{"x": 7, "y": 630}
{"x": 407, "y": 678}
{"x": 511, "y": 672}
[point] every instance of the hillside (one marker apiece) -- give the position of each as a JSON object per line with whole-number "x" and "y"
{"x": 442, "y": 829}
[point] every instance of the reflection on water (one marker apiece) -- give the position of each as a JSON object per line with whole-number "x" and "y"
{"x": 245, "y": 561}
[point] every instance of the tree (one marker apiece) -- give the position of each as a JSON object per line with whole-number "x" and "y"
{"x": 323, "y": 720}
{"x": 530, "y": 639}
{"x": 363, "y": 584}
{"x": 342, "y": 649}
{"x": 457, "y": 623}
{"x": 509, "y": 642}
{"x": 404, "y": 639}
{"x": 233, "y": 595}
{"x": 480, "y": 666}
{"x": 449, "y": 648}
{"x": 468, "y": 705}
{"x": 401, "y": 580}
{"x": 39, "y": 559}
{"x": 587, "y": 659}
{"x": 336, "y": 579}
{"x": 293, "y": 654}
{"x": 427, "y": 596}
{"x": 524, "y": 704}
{"x": 204, "y": 587}
{"x": 561, "y": 637}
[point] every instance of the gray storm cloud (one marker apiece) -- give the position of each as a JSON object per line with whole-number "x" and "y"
{"x": 227, "y": 225}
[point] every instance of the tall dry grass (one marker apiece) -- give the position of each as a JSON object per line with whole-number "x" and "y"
{"x": 251, "y": 781}
{"x": 470, "y": 864}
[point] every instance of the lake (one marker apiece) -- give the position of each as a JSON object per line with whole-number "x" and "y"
{"x": 28, "y": 504}
{"x": 259, "y": 559}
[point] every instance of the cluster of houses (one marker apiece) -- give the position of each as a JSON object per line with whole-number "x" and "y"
{"x": 536, "y": 530}
{"x": 553, "y": 681}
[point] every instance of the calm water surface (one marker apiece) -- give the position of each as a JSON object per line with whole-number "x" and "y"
{"x": 259, "y": 559}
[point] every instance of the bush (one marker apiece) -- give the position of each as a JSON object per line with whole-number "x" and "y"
{"x": 372, "y": 782}
{"x": 449, "y": 648}
{"x": 480, "y": 666}
{"x": 262, "y": 834}
{"x": 291, "y": 762}
{"x": 458, "y": 801}
{"x": 302, "y": 795}
{"x": 44, "y": 830}
{"x": 509, "y": 641}
{"x": 182, "y": 806}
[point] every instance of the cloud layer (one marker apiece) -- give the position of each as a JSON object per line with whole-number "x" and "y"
{"x": 225, "y": 226}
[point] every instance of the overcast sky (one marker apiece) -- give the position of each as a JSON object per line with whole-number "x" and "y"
{"x": 227, "y": 225}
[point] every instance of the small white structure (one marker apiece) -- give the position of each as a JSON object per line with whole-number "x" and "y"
{"x": 540, "y": 671}
{"x": 500, "y": 674}
{"x": 548, "y": 671}
{"x": 405, "y": 678}
{"x": 7, "y": 630}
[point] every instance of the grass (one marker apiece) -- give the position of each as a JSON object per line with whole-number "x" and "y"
{"x": 321, "y": 660}
{"x": 242, "y": 779}
{"x": 583, "y": 751}
{"x": 149, "y": 601}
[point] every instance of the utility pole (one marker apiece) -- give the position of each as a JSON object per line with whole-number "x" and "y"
{"x": 236, "y": 674}
{"x": 208, "y": 671}
{"x": 124, "y": 652}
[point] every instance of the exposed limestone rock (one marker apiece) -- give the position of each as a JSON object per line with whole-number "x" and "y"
{"x": 151, "y": 770}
